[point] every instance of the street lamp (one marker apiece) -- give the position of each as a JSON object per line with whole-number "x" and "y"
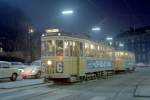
{"x": 96, "y": 29}
{"x": 109, "y": 38}
{"x": 94, "y": 32}
{"x": 67, "y": 12}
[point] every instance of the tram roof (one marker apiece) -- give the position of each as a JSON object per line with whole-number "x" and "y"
{"x": 73, "y": 35}
{"x": 125, "y": 51}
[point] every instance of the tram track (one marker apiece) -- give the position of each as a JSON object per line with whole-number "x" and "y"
{"x": 112, "y": 88}
{"x": 82, "y": 86}
{"x": 55, "y": 87}
{"x": 4, "y": 91}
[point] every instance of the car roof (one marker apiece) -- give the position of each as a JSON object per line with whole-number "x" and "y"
{"x": 5, "y": 62}
{"x": 37, "y": 61}
{"x": 17, "y": 62}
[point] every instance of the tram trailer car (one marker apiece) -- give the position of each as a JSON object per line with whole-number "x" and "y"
{"x": 124, "y": 61}
{"x": 72, "y": 58}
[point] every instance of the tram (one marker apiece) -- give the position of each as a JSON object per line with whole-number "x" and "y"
{"x": 70, "y": 57}
{"x": 124, "y": 61}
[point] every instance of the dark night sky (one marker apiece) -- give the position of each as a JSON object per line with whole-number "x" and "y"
{"x": 112, "y": 16}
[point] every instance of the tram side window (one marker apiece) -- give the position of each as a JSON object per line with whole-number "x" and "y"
{"x": 50, "y": 47}
{"x": 66, "y": 46}
{"x": 100, "y": 51}
{"x": 71, "y": 48}
{"x": 110, "y": 54}
{"x": 59, "y": 47}
{"x": 81, "y": 49}
{"x": 87, "y": 49}
{"x": 43, "y": 48}
{"x": 92, "y": 50}
{"x": 106, "y": 52}
{"x": 103, "y": 52}
{"x": 76, "y": 48}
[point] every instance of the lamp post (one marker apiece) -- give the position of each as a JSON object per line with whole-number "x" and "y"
{"x": 31, "y": 31}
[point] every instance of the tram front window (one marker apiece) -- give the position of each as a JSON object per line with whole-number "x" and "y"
{"x": 43, "y": 48}
{"x": 59, "y": 47}
{"x": 50, "y": 47}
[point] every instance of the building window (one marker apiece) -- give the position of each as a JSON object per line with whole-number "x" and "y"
{"x": 143, "y": 49}
{"x": 139, "y": 57}
{"x": 1, "y": 49}
{"x": 144, "y": 57}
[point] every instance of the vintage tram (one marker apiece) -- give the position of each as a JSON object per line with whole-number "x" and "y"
{"x": 70, "y": 57}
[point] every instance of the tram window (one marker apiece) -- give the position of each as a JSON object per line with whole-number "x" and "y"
{"x": 100, "y": 51}
{"x": 87, "y": 49}
{"x": 43, "y": 48}
{"x": 97, "y": 51}
{"x": 66, "y": 46}
{"x": 71, "y": 48}
{"x": 107, "y": 52}
{"x": 103, "y": 52}
{"x": 76, "y": 48}
{"x": 50, "y": 47}
{"x": 59, "y": 47}
{"x": 92, "y": 50}
{"x": 81, "y": 49}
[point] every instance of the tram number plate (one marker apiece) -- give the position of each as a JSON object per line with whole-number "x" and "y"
{"x": 59, "y": 67}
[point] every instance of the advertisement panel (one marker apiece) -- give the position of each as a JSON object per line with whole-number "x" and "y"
{"x": 91, "y": 64}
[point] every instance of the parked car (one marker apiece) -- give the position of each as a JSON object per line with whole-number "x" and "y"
{"x": 19, "y": 65}
{"x": 34, "y": 70}
{"x": 8, "y": 71}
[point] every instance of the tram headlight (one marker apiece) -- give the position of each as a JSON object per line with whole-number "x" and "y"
{"x": 49, "y": 62}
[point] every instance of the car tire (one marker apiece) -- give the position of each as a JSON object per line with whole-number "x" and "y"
{"x": 13, "y": 77}
{"x": 38, "y": 75}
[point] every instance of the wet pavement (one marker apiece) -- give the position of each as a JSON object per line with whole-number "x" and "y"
{"x": 125, "y": 86}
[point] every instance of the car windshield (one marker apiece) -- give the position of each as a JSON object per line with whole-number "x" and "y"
{"x": 16, "y": 63}
{"x": 36, "y": 63}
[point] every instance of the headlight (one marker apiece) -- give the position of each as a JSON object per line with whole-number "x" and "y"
{"x": 33, "y": 71}
{"x": 49, "y": 62}
{"x": 22, "y": 70}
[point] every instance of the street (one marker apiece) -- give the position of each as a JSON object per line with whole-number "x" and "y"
{"x": 125, "y": 86}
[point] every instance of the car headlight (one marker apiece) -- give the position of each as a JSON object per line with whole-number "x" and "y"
{"x": 49, "y": 62}
{"x": 22, "y": 71}
{"x": 33, "y": 71}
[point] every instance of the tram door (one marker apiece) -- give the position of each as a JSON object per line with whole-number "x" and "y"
{"x": 77, "y": 53}
{"x": 73, "y": 52}
{"x": 74, "y": 57}
{"x": 60, "y": 57}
